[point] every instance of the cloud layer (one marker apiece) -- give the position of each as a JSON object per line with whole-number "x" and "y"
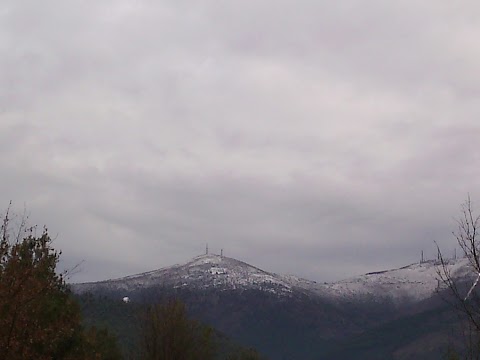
{"x": 317, "y": 138}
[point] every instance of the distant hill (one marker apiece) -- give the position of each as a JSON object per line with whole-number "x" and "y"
{"x": 287, "y": 317}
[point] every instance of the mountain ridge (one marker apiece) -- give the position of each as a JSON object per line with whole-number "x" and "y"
{"x": 204, "y": 271}
{"x": 288, "y": 317}
{"x": 410, "y": 283}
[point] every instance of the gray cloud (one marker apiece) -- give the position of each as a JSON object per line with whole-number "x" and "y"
{"x": 313, "y": 138}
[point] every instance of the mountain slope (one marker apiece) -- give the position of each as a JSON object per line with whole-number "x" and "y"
{"x": 206, "y": 272}
{"x": 287, "y": 317}
{"x": 406, "y": 285}
{"x": 412, "y": 283}
{"x": 425, "y": 335}
{"x": 278, "y": 315}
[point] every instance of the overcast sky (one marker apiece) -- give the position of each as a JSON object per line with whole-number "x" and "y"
{"x": 320, "y": 138}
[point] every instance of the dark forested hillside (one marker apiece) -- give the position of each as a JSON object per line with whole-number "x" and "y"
{"x": 288, "y": 329}
{"x": 395, "y": 314}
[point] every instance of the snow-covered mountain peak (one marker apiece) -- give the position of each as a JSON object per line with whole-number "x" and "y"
{"x": 214, "y": 260}
{"x": 202, "y": 272}
{"x": 414, "y": 282}
{"x": 208, "y": 259}
{"x": 410, "y": 283}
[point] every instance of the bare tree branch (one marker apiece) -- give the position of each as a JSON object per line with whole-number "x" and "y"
{"x": 465, "y": 298}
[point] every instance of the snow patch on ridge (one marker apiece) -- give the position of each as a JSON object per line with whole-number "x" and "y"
{"x": 202, "y": 272}
{"x": 415, "y": 282}
{"x": 412, "y": 283}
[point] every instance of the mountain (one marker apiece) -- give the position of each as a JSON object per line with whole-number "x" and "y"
{"x": 206, "y": 272}
{"x": 287, "y": 317}
{"x": 412, "y": 283}
{"x": 279, "y": 315}
{"x": 409, "y": 284}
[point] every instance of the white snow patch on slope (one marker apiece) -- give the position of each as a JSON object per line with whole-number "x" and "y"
{"x": 205, "y": 271}
{"x": 415, "y": 282}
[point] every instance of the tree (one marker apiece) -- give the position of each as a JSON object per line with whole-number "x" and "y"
{"x": 99, "y": 344}
{"x": 168, "y": 334}
{"x": 249, "y": 354}
{"x": 463, "y": 297}
{"x": 39, "y": 318}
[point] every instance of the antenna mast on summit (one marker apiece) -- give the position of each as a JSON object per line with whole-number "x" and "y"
{"x": 206, "y": 249}
{"x": 221, "y": 252}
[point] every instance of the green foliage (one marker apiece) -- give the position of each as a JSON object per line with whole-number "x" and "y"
{"x": 100, "y": 344}
{"x": 127, "y": 322}
{"x": 249, "y": 354}
{"x": 39, "y": 318}
{"x": 169, "y": 335}
{"x": 119, "y": 318}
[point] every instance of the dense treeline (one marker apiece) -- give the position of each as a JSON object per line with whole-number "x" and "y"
{"x": 146, "y": 329}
